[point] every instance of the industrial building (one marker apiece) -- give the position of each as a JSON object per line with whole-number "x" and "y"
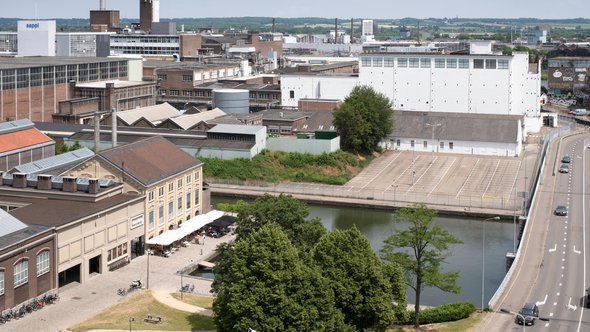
{"x": 481, "y": 82}
{"x": 568, "y": 73}
{"x": 32, "y": 87}
{"x": 21, "y": 142}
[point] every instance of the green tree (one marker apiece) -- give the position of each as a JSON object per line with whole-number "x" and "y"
{"x": 283, "y": 210}
{"x": 263, "y": 284}
{"x": 420, "y": 250}
{"x": 61, "y": 148}
{"x": 365, "y": 289}
{"x": 363, "y": 120}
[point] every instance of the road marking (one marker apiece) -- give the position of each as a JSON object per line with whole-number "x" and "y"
{"x": 577, "y": 251}
{"x": 554, "y": 248}
{"x": 557, "y": 294}
{"x": 571, "y": 306}
{"x": 560, "y": 284}
{"x": 563, "y": 259}
{"x": 551, "y": 315}
{"x": 563, "y": 267}
{"x": 554, "y": 303}
{"x": 563, "y": 252}
{"x": 542, "y": 302}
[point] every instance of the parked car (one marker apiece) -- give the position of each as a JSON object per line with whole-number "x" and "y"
{"x": 561, "y": 210}
{"x": 564, "y": 168}
{"x": 566, "y": 159}
{"x": 528, "y": 314}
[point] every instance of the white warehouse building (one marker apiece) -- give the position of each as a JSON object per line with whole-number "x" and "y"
{"x": 304, "y": 85}
{"x": 478, "y": 83}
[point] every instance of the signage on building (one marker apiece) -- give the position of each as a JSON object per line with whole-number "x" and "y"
{"x": 32, "y": 26}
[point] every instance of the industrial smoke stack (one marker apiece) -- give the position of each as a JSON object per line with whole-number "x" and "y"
{"x": 156, "y": 11}
{"x": 114, "y": 127}
{"x": 96, "y": 132}
{"x": 352, "y": 30}
{"x": 336, "y": 32}
{"x": 273, "y": 25}
{"x": 103, "y": 5}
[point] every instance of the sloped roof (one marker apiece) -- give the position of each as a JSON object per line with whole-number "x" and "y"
{"x": 152, "y": 114}
{"x": 457, "y": 126}
{"x": 9, "y": 224}
{"x": 236, "y": 129}
{"x": 22, "y": 139}
{"x": 12, "y": 126}
{"x": 190, "y": 120}
{"x": 50, "y": 163}
{"x": 149, "y": 160}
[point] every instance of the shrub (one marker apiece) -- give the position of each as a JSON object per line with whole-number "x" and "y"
{"x": 444, "y": 313}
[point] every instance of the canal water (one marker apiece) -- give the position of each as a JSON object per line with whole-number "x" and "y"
{"x": 466, "y": 258}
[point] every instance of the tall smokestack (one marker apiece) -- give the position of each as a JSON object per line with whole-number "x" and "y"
{"x": 114, "y": 127}
{"x": 103, "y": 5}
{"x": 273, "y": 25}
{"x": 336, "y": 31}
{"x": 352, "y": 30}
{"x": 96, "y": 132}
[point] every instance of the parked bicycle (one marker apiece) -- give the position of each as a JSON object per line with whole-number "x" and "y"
{"x": 121, "y": 291}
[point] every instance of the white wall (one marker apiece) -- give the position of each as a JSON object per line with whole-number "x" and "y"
{"x": 460, "y": 147}
{"x": 36, "y": 38}
{"x": 312, "y": 146}
{"x": 509, "y": 91}
{"x": 315, "y": 86}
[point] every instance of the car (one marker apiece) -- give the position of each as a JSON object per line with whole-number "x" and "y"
{"x": 564, "y": 168}
{"x": 528, "y": 314}
{"x": 566, "y": 159}
{"x": 561, "y": 210}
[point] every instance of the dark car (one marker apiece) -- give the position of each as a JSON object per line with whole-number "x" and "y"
{"x": 561, "y": 210}
{"x": 564, "y": 168}
{"x": 566, "y": 159}
{"x": 528, "y": 314}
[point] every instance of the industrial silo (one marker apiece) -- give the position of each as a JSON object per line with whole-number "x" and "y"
{"x": 232, "y": 100}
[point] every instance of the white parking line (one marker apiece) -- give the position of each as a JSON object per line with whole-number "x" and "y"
{"x": 468, "y": 177}
{"x": 442, "y": 177}
{"x": 490, "y": 180}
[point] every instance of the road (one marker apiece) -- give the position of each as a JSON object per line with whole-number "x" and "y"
{"x": 553, "y": 271}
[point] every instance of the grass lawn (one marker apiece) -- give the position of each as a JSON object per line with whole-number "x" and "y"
{"x": 196, "y": 300}
{"x": 464, "y": 325}
{"x": 138, "y": 306}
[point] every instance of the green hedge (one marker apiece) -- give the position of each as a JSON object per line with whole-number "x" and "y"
{"x": 443, "y": 313}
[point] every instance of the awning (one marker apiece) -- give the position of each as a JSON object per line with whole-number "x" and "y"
{"x": 168, "y": 237}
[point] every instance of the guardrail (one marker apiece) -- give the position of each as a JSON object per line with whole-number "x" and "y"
{"x": 541, "y": 165}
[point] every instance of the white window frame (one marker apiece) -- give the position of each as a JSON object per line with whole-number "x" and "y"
{"x": 161, "y": 214}
{"x": 171, "y": 209}
{"x": 42, "y": 263}
{"x": 1, "y": 282}
{"x": 21, "y": 273}
{"x": 151, "y": 221}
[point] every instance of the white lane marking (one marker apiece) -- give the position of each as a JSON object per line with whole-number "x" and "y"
{"x": 542, "y": 302}
{"x": 554, "y": 303}
{"x": 571, "y": 306}
{"x": 554, "y": 248}
{"x": 576, "y": 251}
{"x": 551, "y": 315}
{"x": 557, "y": 294}
{"x": 563, "y": 267}
{"x": 560, "y": 284}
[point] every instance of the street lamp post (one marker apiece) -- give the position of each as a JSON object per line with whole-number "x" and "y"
{"x": 413, "y": 161}
{"x": 147, "y": 284}
{"x": 131, "y": 319}
{"x": 483, "y": 260}
{"x": 433, "y": 125}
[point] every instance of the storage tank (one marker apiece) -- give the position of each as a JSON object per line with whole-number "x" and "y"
{"x": 233, "y": 101}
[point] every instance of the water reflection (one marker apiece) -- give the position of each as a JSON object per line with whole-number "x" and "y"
{"x": 466, "y": 258}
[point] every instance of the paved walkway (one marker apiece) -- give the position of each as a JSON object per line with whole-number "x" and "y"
{"x": 167, "y": 299}
{"x": 82, "y": 302}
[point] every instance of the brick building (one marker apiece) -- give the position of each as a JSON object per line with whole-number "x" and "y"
{"x": 21, "y": 142}
{"x": 32, "y": 87}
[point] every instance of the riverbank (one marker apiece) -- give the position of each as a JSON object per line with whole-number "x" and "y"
{"x": 253, "y": 192}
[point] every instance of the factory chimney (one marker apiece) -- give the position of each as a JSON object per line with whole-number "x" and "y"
{"x": 273, "y": 25}
{"x": 352, "y": 30}
{"x": 336, "y": 31}
{"x": 103, "y": 5}
{"x": 114, "y": 127}
{"x": 96, "y": 132}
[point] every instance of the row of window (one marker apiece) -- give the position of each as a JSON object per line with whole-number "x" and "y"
{"x": 116, "y": 252}
{"x": 451, "y": 63}
{"x": 412, "y": 144}
{"x": 50, "y": 75}
{"x": 21, "y": 270}
{"x": 179, "y": 182}
{"x": 179, "y": 209}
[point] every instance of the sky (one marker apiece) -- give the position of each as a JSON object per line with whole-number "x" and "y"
{"x": 377, "y": 9}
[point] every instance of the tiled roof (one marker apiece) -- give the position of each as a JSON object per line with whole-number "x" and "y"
{"x": 190, "y": 120}
{"x": 22, "y": 139}
{"x": 150, "y": 160}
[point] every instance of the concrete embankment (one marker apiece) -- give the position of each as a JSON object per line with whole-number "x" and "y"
{"x": 252, "y": 192}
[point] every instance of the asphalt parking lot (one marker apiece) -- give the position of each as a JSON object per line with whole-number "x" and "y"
{"x": 448, "y": 178}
